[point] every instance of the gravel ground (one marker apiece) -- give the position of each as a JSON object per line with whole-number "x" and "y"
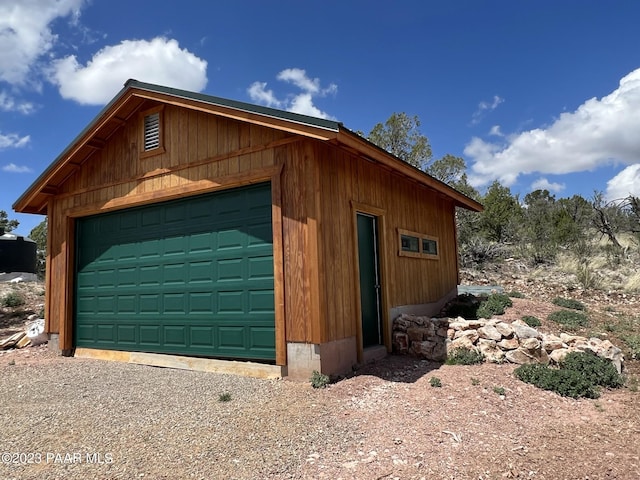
{"x": 86, "y": 419}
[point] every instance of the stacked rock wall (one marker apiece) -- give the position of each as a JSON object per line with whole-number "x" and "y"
{"x": 498, "y": 341}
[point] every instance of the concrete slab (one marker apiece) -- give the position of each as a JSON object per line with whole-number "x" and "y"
{"x": 232, "y": 367}
{"x": 480, "y": 290}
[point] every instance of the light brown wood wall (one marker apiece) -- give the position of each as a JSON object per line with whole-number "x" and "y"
{"x": 318, "y": 188}
{"x": 203, "y": 153}
{"x": 351, "y": 183}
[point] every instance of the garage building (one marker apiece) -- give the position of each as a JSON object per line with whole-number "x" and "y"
{"x": 193, "y": 230}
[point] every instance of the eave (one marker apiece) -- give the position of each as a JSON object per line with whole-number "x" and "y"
{"x": 134, "y": 94}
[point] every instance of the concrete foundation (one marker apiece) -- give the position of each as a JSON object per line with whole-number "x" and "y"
{"x": 248, "y": 369}
{"x": 54, "y": 343}
{"x": 331, "y": 358}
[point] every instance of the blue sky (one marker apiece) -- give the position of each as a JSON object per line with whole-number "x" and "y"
{"x": 542, "y": 94}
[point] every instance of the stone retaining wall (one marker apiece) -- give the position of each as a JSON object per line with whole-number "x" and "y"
{"x": 498, "y": 341}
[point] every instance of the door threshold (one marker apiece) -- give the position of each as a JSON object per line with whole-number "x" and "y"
{"x": 374, "y": 353}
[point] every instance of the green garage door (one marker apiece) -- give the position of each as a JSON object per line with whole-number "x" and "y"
{"x": 190, "y": 277}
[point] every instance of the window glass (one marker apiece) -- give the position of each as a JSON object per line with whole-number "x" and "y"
{"x": 410, "y": 244}
{"x": 429, "y": 247}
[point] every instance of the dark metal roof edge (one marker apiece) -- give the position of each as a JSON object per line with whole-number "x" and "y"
{"x": 242, "y": 106}
{"x": 71, "y": 145}
{"x": 238, "y": 105}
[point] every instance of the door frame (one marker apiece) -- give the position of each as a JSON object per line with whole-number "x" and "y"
{"x": 379, "y": 214}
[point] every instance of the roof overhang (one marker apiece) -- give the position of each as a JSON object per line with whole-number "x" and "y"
{"x": 372, "y": 152}
{"x": 134, "y": 94}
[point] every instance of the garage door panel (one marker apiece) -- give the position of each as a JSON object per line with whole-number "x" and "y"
{"x": 261, "y": 338}
{"x": 126, "y": 334}
{"x": 106, "y": 332}
{"x": 193, "y": 277}
{"x": 201, "y": 272}
{"x": 232, "y": 337}
{"x": 230, "y": 302}
{"x": 261, "y": 302}
{"x": 202, "y": 337}
{"x": 175, "y": 336}
{"x": 260, "y": 268}
{"x": 149, "y": 336}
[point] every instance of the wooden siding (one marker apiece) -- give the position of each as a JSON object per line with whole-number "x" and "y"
{"x": 202, "y": 153}
{"x": 317, "y": 188}
{"x": 349, "y": 184}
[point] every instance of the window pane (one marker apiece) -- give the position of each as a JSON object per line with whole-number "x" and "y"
{"x": 410, "y": 244}
{"x": 430, "y": 247}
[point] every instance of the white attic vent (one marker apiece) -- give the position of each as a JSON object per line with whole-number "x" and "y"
{"x": 152, "y": 131}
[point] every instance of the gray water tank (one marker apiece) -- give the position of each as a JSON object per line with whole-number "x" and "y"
{"x": 17, "y": 253}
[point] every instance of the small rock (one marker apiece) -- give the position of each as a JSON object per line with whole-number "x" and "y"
{"x": 525, "y": 331}
{"x": 490, "y": 332}
{"x": 471, "y": 334}
{"x": 509, "y": 343}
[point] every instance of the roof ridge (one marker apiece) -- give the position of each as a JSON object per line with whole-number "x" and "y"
{"x": 237, "y": 105}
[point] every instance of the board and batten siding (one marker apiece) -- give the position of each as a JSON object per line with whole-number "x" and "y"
{"x": 316, "y": 190}
{"x": 349, "y": 184}
{"x": 202, "y": 153}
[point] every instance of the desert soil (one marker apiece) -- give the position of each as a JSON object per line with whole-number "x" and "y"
{"x": 77, "y": 418}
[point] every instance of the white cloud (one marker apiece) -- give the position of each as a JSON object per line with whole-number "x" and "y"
{"x": 13, "y": 168}
{"x": 9, "y": 104}
{"x": 299, "y": 78}
{"x": 13, "y": 140}
{"x": 25, "y": 34}
{"x": 544, "y": 184}
{"x": 626, "y": 183}
{"x": 159, "y": 60}
{"x": 496, "y": 132}
{"x": 600, "y": 132}
{"x": 484, "y": 107}
{"x": 259, "y": 93}
{"x": 298, "y": 103}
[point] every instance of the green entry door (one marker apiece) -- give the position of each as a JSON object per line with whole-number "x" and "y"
{"x": 190, "y": 277}
{"x": 368, "y": 259}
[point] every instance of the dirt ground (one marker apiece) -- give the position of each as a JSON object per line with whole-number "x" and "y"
{"x": 386, "y": 420}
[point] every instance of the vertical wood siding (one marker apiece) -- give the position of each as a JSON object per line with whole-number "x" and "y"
{"x": 348, "y": 180}
{"x": 314, "y": 197}
{"x": 202, "y": 153}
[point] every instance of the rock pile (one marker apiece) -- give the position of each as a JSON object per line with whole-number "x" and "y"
{"x": 498, "y": 341}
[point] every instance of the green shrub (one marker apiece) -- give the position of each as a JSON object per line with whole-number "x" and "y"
{"x": 464, "y": 356}
{"x": 633, "y": 342}
{"x": 568, "y": 303}
{"x": 569, "y": 319}
{"x": 499, "y": 390}
{"x": 12, "y": 300}
{"x": 224, "y": 397}
{"x": 319, "y": 380}
{"x": 475, "y": 381}
{"x": 495, "y": 304}
{"x": 515, "y": 294}
{"x": 561, "y": 381}
{"x": 596, "y": 370}
{"x": 532, "y": 321}
{"x": 579, "y": 375}
{"x": 435, "y": 382}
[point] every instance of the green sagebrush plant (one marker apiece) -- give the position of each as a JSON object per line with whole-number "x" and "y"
{"x": 581, "y": 374}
